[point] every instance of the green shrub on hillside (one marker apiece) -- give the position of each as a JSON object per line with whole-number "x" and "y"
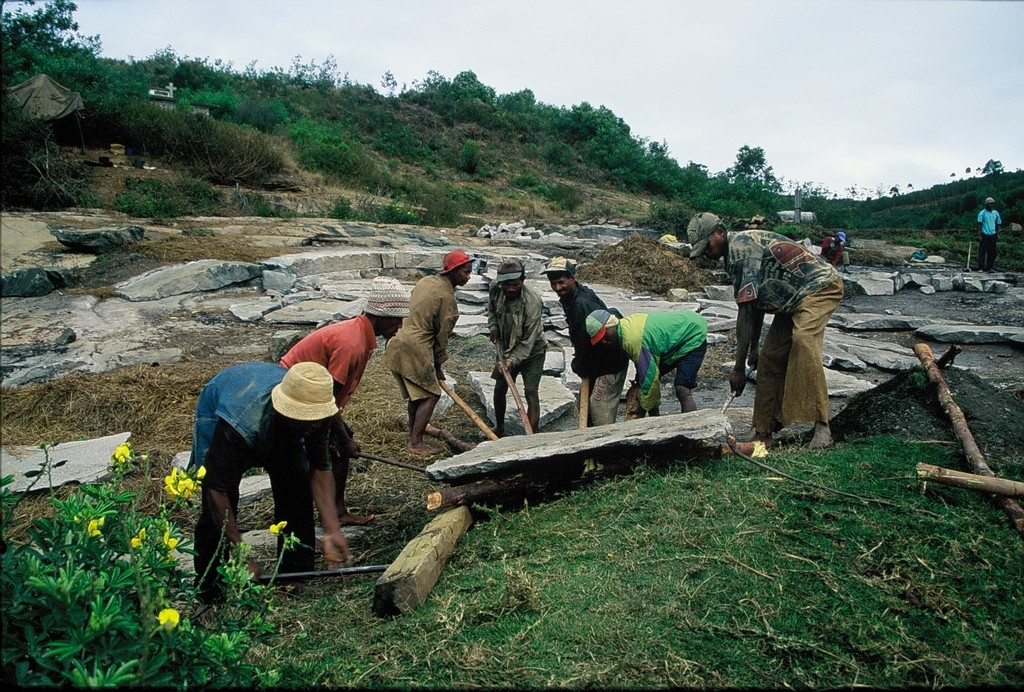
{"x": 158, "y": 199}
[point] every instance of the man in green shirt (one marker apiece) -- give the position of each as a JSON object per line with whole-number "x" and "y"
{"x": 657, "y": 343}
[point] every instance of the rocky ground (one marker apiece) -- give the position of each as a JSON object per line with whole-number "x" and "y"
{"x": 900, "y": 406}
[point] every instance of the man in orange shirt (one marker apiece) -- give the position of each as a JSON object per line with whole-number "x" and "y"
{"x": 344, "y": 348}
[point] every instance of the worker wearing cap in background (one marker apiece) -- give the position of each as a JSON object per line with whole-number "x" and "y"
{"x": 607, "y": 372}
{"x": 657, "y": 343}
{"x": 264, "y": 415}
{"x": 344, "y": 348}
{"x": 989, "y": 222}
{"x": 773, "y": 274}
{"x": 833, "y": 248}
{"x": 515, "y": 322}
{"x": 415, "y": 354}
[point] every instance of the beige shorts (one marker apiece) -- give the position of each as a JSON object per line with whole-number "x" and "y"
{"x": 410, "y": 390}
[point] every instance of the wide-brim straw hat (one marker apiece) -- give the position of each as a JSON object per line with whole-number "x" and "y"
{"x": 305, "y": 393}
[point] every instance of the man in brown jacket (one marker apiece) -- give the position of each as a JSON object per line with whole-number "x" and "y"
{"x": 415, "y": 354}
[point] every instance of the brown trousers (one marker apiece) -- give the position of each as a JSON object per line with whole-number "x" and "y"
{"x": 790, "y": 375}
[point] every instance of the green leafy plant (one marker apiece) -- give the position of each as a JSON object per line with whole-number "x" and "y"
{"x": 96, "y": 596}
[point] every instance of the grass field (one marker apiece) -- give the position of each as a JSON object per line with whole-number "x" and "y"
{"x": 709, "y": 574}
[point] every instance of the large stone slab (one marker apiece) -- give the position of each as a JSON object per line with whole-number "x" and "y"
{"x": 679, "y": 434}
{"x": 877, "y": 322}
{"x": 555, "y": 401}
{"x": 81, "y": 461}
{"x": 200, "y": 275}
{"x": 97, "y": 240}
{"x": 968, "y": 334}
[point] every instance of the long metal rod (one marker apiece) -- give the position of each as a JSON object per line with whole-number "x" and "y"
{"x": 293, "y": 576}
{"x": 411, "y": 467}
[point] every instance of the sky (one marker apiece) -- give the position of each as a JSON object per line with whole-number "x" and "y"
{"x": 867, "y": 94}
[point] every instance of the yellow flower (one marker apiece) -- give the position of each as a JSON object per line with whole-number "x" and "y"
{"x": 760, "y": 450}
{"x": 278, "y": 527}
{"x": 123, "y": 453}
{"x": 138, "y": 539}
{"x": 179, "y": 484}
{"x": 201, "y": 473}
{"x": 169, "y": 541}
{"x": 168, "y": 619}
{"x": 94, "y": 527}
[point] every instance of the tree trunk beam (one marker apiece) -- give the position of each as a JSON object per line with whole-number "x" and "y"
{"x": 963, "y": 433}
{"x": 971, "y": 481}
{"x": 516, "y": 486}
{"x": 408, "y": 581}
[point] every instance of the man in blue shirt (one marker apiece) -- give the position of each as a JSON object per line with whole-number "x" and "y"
{"x": 264, "y": 415}
{"x": 989, "y": 222}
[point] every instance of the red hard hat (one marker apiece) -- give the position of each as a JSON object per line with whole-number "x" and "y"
{"x": 455, "y": 258}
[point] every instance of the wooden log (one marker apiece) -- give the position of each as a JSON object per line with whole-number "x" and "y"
{"x": 408, "y": 581}
{"x": 491, "y": 490}
{"x": 971, "y": 481}
{"x": 949, "y": 356}
{"x": 470, "y": 412}
{"x": 963, "y": 433}
{"x": 584, "y": 401}
{"x": 452, "y": 441}
{"x": 503, "y": 366}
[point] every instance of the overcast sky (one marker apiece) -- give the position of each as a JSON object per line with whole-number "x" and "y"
{"x": 840, "y": 93}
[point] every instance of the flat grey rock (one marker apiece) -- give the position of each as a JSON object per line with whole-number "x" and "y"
{"x": 201, "y": 275}
{"x": 968, "y": 334}
{"x": 555, "y": 401}
{"x": 678, "y": 432}
{"x": 81, "y": 461}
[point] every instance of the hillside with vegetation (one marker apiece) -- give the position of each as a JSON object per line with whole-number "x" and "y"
{"x": 437, "y": 152}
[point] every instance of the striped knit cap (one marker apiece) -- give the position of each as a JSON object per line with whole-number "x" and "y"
{"x": 388, "y": 298}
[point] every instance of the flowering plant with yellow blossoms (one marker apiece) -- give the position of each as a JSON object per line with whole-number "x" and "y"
{"x": 97, "y": 596}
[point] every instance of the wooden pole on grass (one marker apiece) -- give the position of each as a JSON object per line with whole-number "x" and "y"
{"x": 971, "y": 481}
{"x": 963, "y": 433}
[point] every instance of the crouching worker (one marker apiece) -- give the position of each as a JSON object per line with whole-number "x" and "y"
{"x": 264, "y": 415}
{"x": 657, "y": 343}
{"x": 515, "y": 321}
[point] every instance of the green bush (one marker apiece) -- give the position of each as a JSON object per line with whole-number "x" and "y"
{"x": 164, "y": 200}
{"x": 37, "y": 172}
{"x": 469, "y": 157}
{"x": 96, "y": 596}
{"x": 342, "y": 209}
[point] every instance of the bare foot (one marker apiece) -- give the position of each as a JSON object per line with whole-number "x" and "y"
{"x": 766, "y": 438}
{"x": 822, "y": 436}
{"x": 346, "y": 518}
{"x": 423, "y": 449}
{"x": 499, "y": 432}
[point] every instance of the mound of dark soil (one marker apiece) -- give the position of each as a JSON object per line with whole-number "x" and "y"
{"x": 907, "y": 407}
{"x": 642, "y": 264}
